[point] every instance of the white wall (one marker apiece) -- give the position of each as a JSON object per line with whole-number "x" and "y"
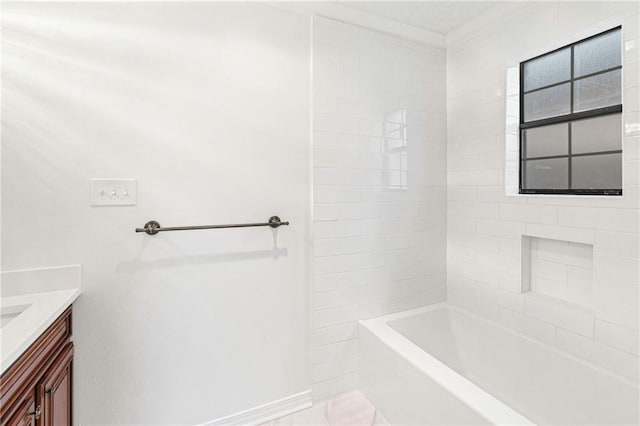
{"x": 207, "y": 105}
{"x": 485, "y": 227}
{"x": 379, "y": 188}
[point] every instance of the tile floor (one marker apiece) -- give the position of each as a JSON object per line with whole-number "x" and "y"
{"x": 352, "y": 409}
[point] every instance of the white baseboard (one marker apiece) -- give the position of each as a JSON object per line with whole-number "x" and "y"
{"x": 266, "y": 412}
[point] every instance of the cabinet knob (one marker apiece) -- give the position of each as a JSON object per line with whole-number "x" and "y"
{"x": 37, "y": 413}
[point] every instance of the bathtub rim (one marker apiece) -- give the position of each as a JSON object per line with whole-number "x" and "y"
{"x": 482, "y": 402}
{"x": 415, "y": 311}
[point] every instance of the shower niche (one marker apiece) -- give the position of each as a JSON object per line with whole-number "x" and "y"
{"x": 559, "y": 269}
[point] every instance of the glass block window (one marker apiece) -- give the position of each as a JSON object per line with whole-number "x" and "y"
{"x": 571, "y": 119}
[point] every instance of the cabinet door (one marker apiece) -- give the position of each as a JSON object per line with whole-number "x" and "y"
{"x": 55, "y": 391}
{"x": 27, "y": 413}
{"x": 25, "y": 374}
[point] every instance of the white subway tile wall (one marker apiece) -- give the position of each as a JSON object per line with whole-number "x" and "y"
{"x": 379, "y": 188}
{"x": 561, "y": 269}
{"x": 486, "y": 227}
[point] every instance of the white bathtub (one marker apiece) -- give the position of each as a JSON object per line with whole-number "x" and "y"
{"x": 441, "y": 365}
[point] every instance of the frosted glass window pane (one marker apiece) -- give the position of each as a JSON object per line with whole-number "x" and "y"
{"x": 547, "y": 141}
{"x": 598, "y": 54}
{"x": 597, "y": 172}
{"x": 552, "y": 173}
{"x": 598, "y": 91}
{"x": 548, "y": 69}
{"x": 597, "y": 134}
{"x": 547, "y": 102}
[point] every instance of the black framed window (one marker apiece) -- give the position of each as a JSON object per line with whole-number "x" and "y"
{"x": 571, "y": 119}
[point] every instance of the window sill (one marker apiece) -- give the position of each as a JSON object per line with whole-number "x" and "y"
{"x": 513, "y": 192}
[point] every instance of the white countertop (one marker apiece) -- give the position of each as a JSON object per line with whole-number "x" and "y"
{"x": 27, "y": 315}
{"x": 42, "y": 310}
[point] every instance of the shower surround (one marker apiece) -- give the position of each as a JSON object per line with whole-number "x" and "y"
{"x": 379, "y": 156}
{"x": 489, "y": 234}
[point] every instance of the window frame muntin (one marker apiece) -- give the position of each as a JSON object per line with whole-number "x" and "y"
{"x": 565, "y": 118}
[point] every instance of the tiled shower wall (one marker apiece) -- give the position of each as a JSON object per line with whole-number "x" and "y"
{"x": 379, "y": 188}
{"x": 560, "y": 269}
{"x": 486, "y": 228}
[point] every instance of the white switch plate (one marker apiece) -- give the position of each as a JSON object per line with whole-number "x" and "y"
{"x": 113, "y": 192}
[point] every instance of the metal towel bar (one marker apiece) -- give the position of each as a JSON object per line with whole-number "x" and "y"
{"x": 152, "y": 227}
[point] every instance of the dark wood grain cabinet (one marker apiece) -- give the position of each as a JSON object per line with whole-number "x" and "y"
{"x": 37, "y": 389}
{"x": 24, "y": 415}
{"x": 55, "y": 389}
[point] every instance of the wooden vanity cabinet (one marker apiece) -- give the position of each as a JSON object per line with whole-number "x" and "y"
{"x": 55, "y": 391}
{"x": 36, "y": 390}
{"x": 24, "y": 415}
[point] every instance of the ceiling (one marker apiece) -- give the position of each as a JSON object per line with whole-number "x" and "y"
{"x": 438, "y": 16}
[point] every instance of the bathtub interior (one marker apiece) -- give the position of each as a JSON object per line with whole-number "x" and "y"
{"x": 403, "y": 393}
{"x": 540, "y": 382}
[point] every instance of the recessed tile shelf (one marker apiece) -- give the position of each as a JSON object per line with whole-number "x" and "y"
{"x": 559, "y": 269}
